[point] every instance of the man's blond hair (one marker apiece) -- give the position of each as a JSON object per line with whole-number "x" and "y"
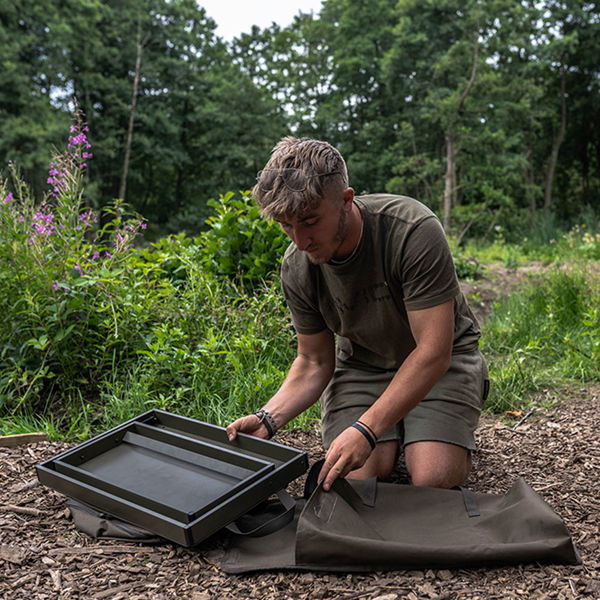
{"x": 323, "y": 165}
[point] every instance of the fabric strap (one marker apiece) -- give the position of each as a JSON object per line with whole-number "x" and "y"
{"x": 255, "y": 526}
{"x": 470, "y": 500}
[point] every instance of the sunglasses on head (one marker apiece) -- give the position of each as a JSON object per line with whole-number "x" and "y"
{"x": 295, "y": 180}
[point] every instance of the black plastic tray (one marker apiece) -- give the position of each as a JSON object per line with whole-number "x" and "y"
{"x": 179, "y": 478}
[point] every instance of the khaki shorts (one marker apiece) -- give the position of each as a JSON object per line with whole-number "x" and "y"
{"x": 449, "y": 413}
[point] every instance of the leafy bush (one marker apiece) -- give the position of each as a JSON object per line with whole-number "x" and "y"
{"x": 240, "y": 243}
{"x": 73, "y": 301}
{"x": 96, "y": 330}
{"x": 222, "y": 354}
{"x": 467, "y": 267}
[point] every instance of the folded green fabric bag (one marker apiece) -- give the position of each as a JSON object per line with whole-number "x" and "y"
{"x": 363, "y": 526}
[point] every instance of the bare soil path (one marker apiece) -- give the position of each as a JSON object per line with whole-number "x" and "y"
{"x": 556, "y": 449}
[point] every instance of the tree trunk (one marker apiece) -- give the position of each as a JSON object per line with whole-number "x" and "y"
{"x": 136, "y": 79}
{"x": 448, "y": 182}
{"x": 530, "y": 182}
{"x": 558, "y": 140}
{"x": 450, "y": 178}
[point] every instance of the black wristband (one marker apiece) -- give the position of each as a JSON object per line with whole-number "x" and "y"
{"x": 366, "y": 433}
{"x": 370, "y": 430}
{"x": 265, "y": 417}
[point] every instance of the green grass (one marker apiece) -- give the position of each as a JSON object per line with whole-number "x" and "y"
{"x": 28, "y": 423}
{"x": 546, "y": 243}
{"x": 544, "y": 335}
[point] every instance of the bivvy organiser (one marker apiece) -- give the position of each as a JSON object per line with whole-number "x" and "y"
{"x": 366, "y": 526}
{"x": 173, "y": 477}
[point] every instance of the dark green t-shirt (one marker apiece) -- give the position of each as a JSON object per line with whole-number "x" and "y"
{"x": 402, "y": 263}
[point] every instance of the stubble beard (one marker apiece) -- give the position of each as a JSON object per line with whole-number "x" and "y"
{"x": 343, "y": 227}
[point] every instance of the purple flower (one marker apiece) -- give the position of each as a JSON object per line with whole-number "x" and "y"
{"x": 9, "y": 198}
{"x": 42, "y": 224}
{"x": 56, "y": 178}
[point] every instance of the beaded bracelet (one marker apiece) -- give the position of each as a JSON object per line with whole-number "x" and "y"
{"x": 265, "y": 417}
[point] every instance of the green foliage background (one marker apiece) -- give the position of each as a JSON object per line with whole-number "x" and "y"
{"x": 100, "y": 326}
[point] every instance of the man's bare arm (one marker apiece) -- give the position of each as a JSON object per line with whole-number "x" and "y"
{"x": 308, "y": 376}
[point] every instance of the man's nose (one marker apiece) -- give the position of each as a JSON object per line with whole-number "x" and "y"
{"x": 301, "y": 239}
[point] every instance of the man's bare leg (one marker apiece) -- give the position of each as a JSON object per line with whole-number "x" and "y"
{"x": 437, "y": 464}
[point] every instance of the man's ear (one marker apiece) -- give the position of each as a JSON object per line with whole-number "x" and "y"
{"x": 348, "y": 198}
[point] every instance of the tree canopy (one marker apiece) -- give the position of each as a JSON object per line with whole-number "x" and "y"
{"x": 486, "y": 110}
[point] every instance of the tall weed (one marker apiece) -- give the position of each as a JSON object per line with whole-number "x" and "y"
{"x": 65, "y": 285}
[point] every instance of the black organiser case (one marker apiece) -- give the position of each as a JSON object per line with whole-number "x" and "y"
{"x": 178, "y": 478}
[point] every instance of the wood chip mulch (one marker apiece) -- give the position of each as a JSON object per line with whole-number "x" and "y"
{"x": 556, "y": 449}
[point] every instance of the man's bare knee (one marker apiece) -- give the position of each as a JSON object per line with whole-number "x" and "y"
{"x": 445, "y": 480}
{"x": 437, "y": 464}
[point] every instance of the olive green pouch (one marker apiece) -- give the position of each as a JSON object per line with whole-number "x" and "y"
{"x": 100, "y": 525}
{"x": 368, "y": 526}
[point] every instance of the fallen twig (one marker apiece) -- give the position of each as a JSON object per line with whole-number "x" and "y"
{"x": 28, "y": 485}
{"x": 22, "y": 510}
{"x": 101, "y": 550}
{"x": 524, "y": 417}
{"x": 126, "y": 587}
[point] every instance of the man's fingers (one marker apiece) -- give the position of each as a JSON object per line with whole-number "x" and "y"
{"x": 241, "y": 424}
{"x": 327, "y": 465}
{"x": 330, "y": 472}
{"x": 249, "y": 424}
{"x": 232, "y": 430}
{"x": 334, "y": 473}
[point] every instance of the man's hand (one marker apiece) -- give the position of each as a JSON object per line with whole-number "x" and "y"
{"x": 349, "y": 451}
{"x": 249, "y": 424}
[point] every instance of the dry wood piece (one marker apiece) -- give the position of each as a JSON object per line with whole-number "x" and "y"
{"x": 22, "y": 510}
{"x": 111, "y": 591}
{"x": 107, "y": 549}
{"x": 12, "y": 554}
{"x": 23, "y": 487}
{"x": 11, "y": 441}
